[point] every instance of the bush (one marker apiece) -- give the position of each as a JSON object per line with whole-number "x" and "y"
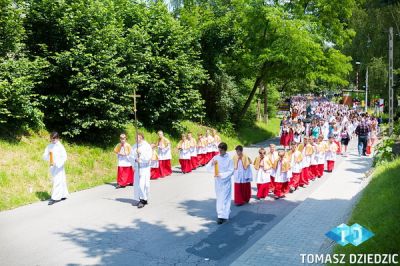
{"x": 384, "y": 152}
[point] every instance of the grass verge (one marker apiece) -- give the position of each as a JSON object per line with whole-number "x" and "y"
{"x": 379, "y": 211}
{"x": 25, "y": 177}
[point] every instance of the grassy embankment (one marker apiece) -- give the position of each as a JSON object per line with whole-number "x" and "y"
{"x": 25, "y": 178}
{"x": 379, "y": 211}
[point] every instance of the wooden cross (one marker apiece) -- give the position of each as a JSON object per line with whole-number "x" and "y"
{"x": 136, "y": 127}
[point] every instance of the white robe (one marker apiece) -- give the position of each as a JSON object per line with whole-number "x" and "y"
{"x": 142, "y": 177}
{"x": 223, "y": 184}
{"x": 57, "y": 171}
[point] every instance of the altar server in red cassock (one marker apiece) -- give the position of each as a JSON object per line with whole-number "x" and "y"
{"x": 164, "y": 155}
{"x": 331, "y": 154}
{"x": 243, "y": 176}
{"x": 263, "y": 169}
{"x": 193, "y": 151}
{"x": 184, "y": 154}
{"x": 282, "y": 171}
{"x": 296, "y": 162}
{"x": 125, "y": 170}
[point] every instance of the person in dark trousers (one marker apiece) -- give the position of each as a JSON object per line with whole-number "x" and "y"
{"x": 362, "y": 131}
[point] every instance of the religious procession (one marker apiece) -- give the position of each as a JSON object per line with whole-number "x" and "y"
{"x": 311, "y": 137}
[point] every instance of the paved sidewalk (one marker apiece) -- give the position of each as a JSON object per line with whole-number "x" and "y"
{"x": 303, "y": 230}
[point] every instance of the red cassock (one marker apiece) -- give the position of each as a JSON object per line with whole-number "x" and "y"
{"x": 295, "y": 180}
{"x": 194, "y": 162}
{"x": 155, "y": 173}
{"x": 320, "y": 170}
{"x": 186, "y": 165}
{"x": 242, "y": 193}
{"x": 304, "y": 176}
{"x": 280, "y": 189}
{"x": 313, "y": 171}
{"x": 201, "y": 159}
{"x": 330, "y": 165}
{"x": 125, "y": 175}
{"x": 262, "y": 190}
{"x": 165, "y": 167}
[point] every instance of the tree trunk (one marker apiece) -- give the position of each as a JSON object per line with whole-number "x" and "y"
{"x": 265, "y": 118}
{"x": 249, "y": 99}
{"x": 254, "y": 90}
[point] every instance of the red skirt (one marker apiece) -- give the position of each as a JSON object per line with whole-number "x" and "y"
{"x": 165, "y": 167}
{"x": 242, "y": 193}
{"x": 194, "y": 161}
{"x": 155, "y": 173}
{"x": 262, "y": 190}
{"x": 186, "y": 165}
{"x": 125, "y": 175}
{"x": 280, "y": 189}
{"x": 304, "y": 176}
{"x": 295, "y": 180}
{"x": 330, "y": 165}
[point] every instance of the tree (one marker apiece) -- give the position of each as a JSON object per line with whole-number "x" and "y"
{"x": 19, "y": 75}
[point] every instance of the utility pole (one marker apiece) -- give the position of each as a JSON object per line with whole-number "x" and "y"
{"x": 366, "y": 91}
{"x": 390, "y": 81}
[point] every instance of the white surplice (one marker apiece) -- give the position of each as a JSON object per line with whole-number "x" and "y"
{"x": 242, "y": 175}
{"x": 142, "y": 177}
{"x": 57, "y": 171}
{"x": 223, "y": 184}
{"x": 164, "y": 153}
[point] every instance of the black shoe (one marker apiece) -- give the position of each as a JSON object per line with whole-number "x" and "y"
{"x": 292, "y": 189}
{"x": 221, "y": 221}
{"x": 51, "y": 202}
{"x": 144, "y": 202}
{"x": 140, "y": 205}
{"x": 63, "y": 198}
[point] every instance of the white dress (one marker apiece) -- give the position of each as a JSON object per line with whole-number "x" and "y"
{"x": 57, "y": 171}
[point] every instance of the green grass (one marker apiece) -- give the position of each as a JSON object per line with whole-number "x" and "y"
{"x": 379, "y": 211}
{"x": 25, "y": 177}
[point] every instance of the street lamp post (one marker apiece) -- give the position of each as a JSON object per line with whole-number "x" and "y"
{"x": 366, "y": 91}
{"x": 358, "y": 68}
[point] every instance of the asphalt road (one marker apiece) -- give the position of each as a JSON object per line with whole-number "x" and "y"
{"x": 99, "y": 226}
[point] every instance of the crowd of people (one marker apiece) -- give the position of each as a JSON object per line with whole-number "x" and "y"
{"x": 312, "y": 136}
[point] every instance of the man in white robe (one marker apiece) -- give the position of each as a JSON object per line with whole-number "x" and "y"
{"x": 222, "y": 166}
{"x": 141, "y": 157}
{"x": 57, "y": 156}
